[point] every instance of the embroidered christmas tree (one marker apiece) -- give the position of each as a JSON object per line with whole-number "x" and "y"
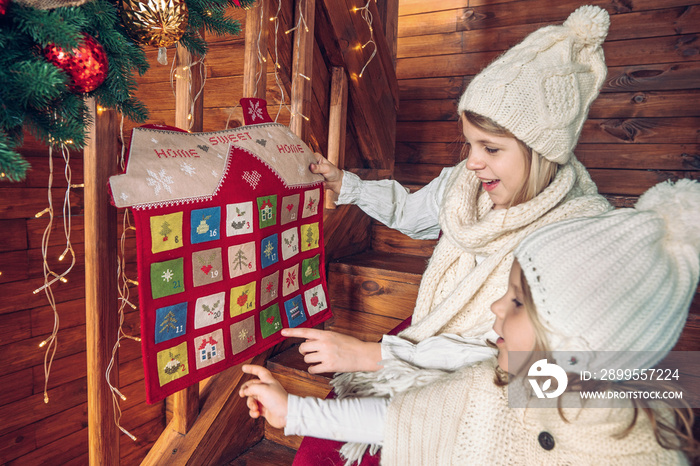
{"x": 169, "y": 322}
{"x": 165, "y": 231}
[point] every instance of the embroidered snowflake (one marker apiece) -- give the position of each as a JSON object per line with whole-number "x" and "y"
{"x": 301, "y": 169}
{"x": 252, "y": 178}
{"x": 187, "y": 168}
{"x": 291, "y": 279}
{"x": 243, "y": 334}
{"x": 167, "y": 275}
{"x": 220, "y": 156}
{"x": 159, "y": 181}
{"x": 255, "y": 111}
{"x": 214, "y": 174}
{"x": 269, "y": 249}
{"x": 124, "y": 196}
{"x": 154, "y": 140}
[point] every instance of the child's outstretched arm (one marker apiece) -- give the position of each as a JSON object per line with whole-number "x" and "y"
{"x": 266, "y": 397}
{"x": 333, "y": 176}
{"x": 329, "y": 351}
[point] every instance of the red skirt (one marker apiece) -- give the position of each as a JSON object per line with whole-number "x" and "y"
{"x": 321, "y": 452}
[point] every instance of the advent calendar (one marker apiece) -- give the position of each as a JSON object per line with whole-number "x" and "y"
{"x": 229, "y": 231}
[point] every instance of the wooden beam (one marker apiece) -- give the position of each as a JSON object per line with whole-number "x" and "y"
{"x": 187, "y": 86}
{"x": 337, "y": 123}
{"x": 257, "y": 26}
{"x": 302, "y": 61}
{"x": 189, "y": 106}
{"x": 100, "y": 162}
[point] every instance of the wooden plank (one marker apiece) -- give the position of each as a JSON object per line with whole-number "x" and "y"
{"x": 592, "y": 155}
{"x": 188, "y": 114}
{"x": 616, "y": 130}
{"x": 302, "y": 66}
{"x": 642, "y": 130}
{"x": 58, "y": 452}
{"x": 266, "y": 453}
{"x": 366, "y": 327}
{"x": 101, "y": 155}
{"x": 211, "y": 438}
{"x": 641, "y": 156}
{"x": 619, "y": 182}
{"x": 345, "y": 231}
{"x": 36, "y": 227}
{"x": 441, "y": 153}
{"x": 27, "y": 202}
{"x": 256, "y": 36}
{"x": 372, "y": 264}
{"x": 15, "y": 327}
{"x": 385, "y": 239}
{"x": 39, "y": 174}
{"x": 374, "y": 96}
{"x": 26, "y": 353}
{"x": 18, "y": 296}
{"x": 15, "y": 237}
{"x": 503, "y": 14}
{"x": 71, "y": 313}
{"x": 652, "y": 77}
{"x": 652, "y": 51}
{"x": 35, "y": 261}
{"x": 16, "y": 386}
{"x": 337, "y": 123}
{"x": 634, "y": 182}
{"x": 63, "y": 370}
{"x": 372, "y": 295}
{"x": 33, "y": 408}
{"x": 146, "y": 436}
{"x": 607, "y": 105}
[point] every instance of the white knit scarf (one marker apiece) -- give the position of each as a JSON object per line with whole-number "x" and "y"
{"x": 452, "y": 297}
{"x": 455, "y": 293}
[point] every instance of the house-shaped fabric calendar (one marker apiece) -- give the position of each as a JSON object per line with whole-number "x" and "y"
{"x": 229, "y": 232}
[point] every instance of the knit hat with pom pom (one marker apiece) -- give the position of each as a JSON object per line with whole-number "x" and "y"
{"x": 619, "y": 282}
{"x": 541, "y": 89}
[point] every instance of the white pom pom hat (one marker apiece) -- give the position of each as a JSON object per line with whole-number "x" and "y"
{"x": 619, "y": 282}
{"x": 541, "y": 89}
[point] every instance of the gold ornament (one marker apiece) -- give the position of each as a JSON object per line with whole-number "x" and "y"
{"x": 159, "y": 23}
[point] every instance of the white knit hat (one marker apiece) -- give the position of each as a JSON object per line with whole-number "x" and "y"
{"x": 541, "y": 89}
{"x": 618, "y": 282}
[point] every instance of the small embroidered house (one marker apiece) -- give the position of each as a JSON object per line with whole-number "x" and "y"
{"x": 207, "y": 349}
{"x": 229, "y": 244}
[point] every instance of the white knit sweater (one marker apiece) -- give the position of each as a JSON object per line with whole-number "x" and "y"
{"x": 464, "y": 419}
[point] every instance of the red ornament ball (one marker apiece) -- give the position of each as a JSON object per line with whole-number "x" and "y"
{"x": 3, "y": 6}
{"x": 86, "y": 64}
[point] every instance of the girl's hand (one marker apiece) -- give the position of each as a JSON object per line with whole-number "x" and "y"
{"x": 266, "y": 397}
{"x": 332, "y": 175}
{"x": 334, "y": 352}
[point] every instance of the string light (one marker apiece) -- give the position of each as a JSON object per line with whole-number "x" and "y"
{"x": 277, "y": 67}
{"x": 52, "y": 341}
{"x": 187, "y": 74}
{"x": 301, "y": 21}
{"x": 367, "y": 16}
{"x": 123, "y": 291}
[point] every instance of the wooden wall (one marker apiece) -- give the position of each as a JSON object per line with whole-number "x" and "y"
{"x": 33, "y": 432}
{"x": 642, "y": 129}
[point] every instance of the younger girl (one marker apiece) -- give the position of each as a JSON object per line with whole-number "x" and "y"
{"x": 607, "y": 292}
{"x": 521, "y": 118}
